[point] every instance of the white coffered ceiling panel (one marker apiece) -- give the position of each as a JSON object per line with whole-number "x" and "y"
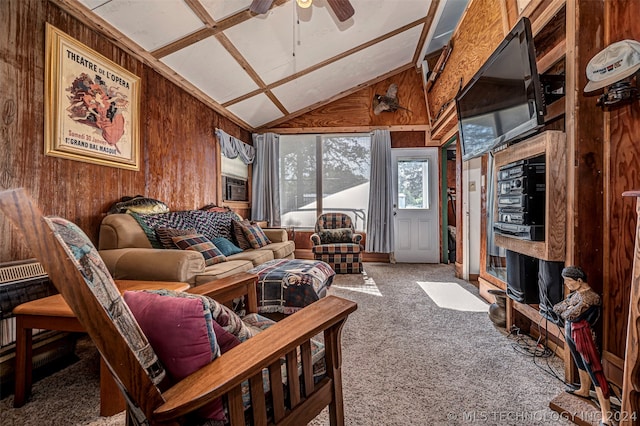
{"x": 208, "y": 65}
{"x": 256, "y": 110}
{"x": 291, "y": 39}
{"x": 350, "y": 71}
{"x": 150, "y": 23}
{"x": 219, "y": 9}
{"x": 252, "y": 67}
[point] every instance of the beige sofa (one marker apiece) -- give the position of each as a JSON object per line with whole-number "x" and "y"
{"x": 129, "y": 255}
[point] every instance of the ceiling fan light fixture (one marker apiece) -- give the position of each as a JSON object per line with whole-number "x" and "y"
{"x": 304, "y": 3}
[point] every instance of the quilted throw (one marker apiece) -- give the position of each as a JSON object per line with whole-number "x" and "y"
{"x": 209, "y": 224}
{"x": 288, "y": 285}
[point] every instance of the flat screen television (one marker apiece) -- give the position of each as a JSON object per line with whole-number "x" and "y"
{"x": 503, "y": 102}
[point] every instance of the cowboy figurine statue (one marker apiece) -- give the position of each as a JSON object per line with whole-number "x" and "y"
{"x": 580, "y": 310}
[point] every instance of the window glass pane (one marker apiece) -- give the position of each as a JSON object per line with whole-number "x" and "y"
{"x": 413, "y": 185}
{"x": 346, "y": 161}
{"x": 336, "y": 166}
{"x": 298, "y": 180}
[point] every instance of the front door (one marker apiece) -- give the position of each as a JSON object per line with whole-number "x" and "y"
{"x": 415, "y": 181}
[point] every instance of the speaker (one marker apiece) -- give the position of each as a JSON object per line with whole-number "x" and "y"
{"x": 551, "y": 287}
{"x": 522, "y": 278}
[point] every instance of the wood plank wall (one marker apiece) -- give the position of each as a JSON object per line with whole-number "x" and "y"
{"x": 622, "y": 141}
{"x": 177, "y": 142}
{"x": 483, "y": 31}
{"x": 355, "y": 110}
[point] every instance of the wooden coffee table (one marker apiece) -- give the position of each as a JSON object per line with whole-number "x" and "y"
{"x": 53, "y": 313}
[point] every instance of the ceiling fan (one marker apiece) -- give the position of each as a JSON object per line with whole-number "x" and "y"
{"x": 342, "y": 8}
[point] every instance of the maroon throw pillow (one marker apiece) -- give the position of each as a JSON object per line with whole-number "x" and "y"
{"x": 179, "y": 333}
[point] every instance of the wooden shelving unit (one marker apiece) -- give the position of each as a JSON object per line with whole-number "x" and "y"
{"x": 553, "y": 145}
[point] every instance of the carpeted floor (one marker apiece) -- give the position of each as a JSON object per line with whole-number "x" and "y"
{"x": 419, "y": 350}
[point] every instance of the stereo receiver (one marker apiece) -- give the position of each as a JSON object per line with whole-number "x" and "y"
{"x": 521, "y": 199}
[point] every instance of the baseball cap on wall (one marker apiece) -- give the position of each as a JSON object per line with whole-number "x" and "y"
{"x": 617, "y": 61}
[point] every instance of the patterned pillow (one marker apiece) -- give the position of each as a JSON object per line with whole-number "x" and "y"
{"x": 255, "y": 235}
{"x": 181, "y": 331}
{"x": 338, "y": 235}
{"x": 238, "y": 234}
{"x": 201, "y": 244}
{"x": 225, "y": 246}
{"x": 165, "y": 234}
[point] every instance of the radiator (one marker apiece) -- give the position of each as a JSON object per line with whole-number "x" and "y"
{"x": 21, "y": 282}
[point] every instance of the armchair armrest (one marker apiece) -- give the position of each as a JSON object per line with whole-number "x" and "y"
{"x": 153, "y": 264}
{"x": 246, "y": 361}
{"x": 315, "y": 239}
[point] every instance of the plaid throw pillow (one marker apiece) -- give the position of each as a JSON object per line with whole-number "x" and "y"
{"x": 201, "y": 244}
{"x": 255, "y": 235}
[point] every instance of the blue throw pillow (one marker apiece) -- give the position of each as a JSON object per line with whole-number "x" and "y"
{"x": 225, "y": 246}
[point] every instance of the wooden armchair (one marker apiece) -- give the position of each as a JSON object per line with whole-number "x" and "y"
{"x": 78, "y": 273}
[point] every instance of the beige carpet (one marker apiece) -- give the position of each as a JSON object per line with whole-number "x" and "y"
{"x": 419, "y": 350}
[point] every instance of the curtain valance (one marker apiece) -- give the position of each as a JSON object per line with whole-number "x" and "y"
{"x": 232, "y": 147}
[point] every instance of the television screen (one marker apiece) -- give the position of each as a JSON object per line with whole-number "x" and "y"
{"x": 503, "y": 101}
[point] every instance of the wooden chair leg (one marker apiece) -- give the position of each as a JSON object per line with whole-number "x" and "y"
{"x": 24, "y": 363}
{"x": 111, "y": 399}
{"x": 333, "y": 360}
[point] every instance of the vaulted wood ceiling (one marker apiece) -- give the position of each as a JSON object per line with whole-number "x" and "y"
{"x": 261, "y": 70}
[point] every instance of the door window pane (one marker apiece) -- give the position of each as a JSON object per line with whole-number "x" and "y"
{"x": 413, "y": 184}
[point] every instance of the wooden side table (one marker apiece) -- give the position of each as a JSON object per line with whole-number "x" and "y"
{"x": 53, "y": 313}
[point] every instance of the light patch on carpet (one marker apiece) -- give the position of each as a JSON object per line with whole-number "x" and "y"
{"x": 367, "y": 286}
{"x": 452, "y": 296}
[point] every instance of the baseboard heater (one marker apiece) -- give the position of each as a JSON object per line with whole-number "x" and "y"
{"x": 21, "y": 282}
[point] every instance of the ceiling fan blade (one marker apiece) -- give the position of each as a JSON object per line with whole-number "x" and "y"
{"x": 260, "y": 7}
{"x": 342, "y": 9}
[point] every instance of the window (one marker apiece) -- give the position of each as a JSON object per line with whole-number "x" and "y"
{"x": 323, "y": 174}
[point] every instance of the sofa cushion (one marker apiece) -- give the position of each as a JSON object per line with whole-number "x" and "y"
{"x": 201, "y": 244}
{"x": 256, "y": 257}
{"x": 338, "y": 235}
{"x": 165, "y": 234}
{"x": 180, "y": 330}
{"x": 225, "y": 246}
{"x": 282, "y": 250}
{"x": 221, "y": 270}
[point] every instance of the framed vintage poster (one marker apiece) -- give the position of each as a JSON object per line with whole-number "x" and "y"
{"x": 91, "y": 105}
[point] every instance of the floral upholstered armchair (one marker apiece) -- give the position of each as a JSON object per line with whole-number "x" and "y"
{"x": 336, "y": 243}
